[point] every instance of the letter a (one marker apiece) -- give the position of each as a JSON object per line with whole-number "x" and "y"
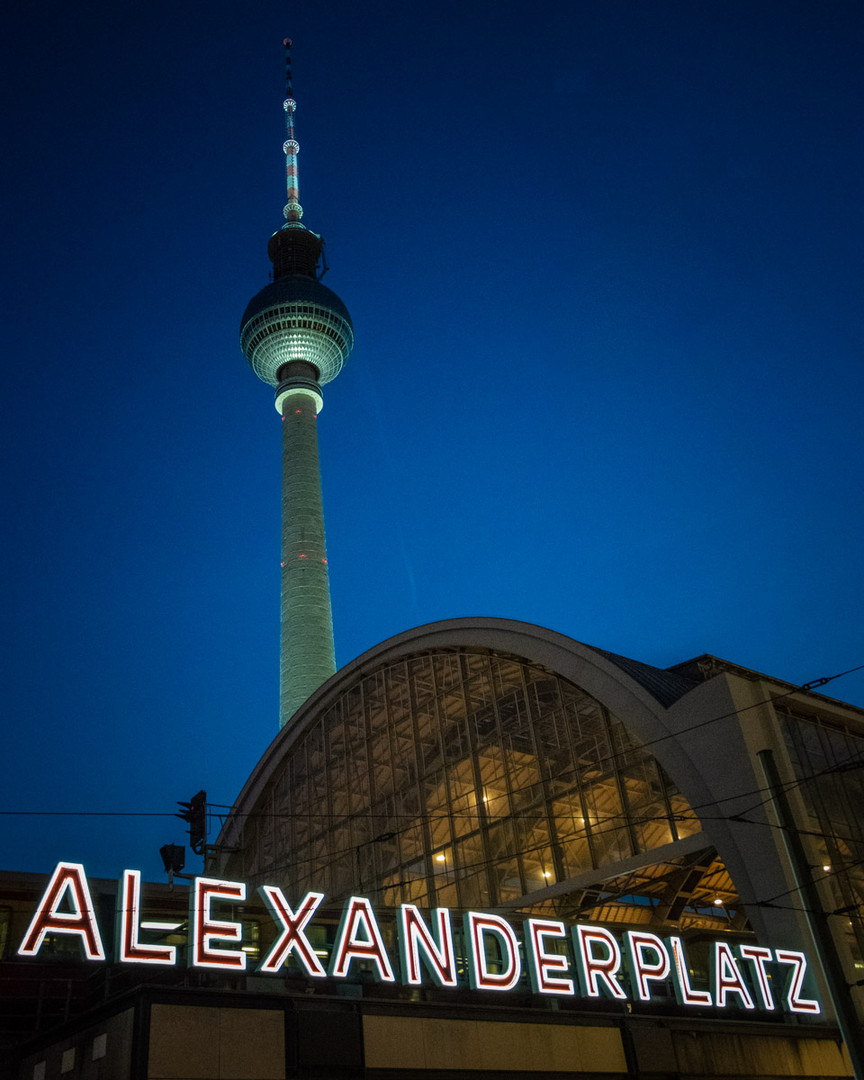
{"x": 49, "y": 919}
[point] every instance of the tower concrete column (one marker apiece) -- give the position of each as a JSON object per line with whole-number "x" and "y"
{"x": 307, "y": 656}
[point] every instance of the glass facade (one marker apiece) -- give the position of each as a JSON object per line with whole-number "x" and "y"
{"x": 829, "y": 758}
{"x": 465, "y": 778}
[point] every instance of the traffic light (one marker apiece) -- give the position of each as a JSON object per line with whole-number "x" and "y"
{"x": 173, "y": 857}
{"x": 195, "y": 812}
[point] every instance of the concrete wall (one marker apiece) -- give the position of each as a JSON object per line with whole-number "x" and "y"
{"x": 399, "y": 1042}
{"x": 102, "y": 1051}
{"x": 193, "y": 1042}
{"x": 314, "y": 1038}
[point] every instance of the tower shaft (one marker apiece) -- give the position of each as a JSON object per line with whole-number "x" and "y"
{"x": 307, "y": 655}
{"x": 296, "y": 334}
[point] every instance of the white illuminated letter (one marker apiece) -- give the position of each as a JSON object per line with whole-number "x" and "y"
{"x": 205, "y": 929}
{"x": 597, "y": 973}
{"x": 798, "y": 960}
{"x": 684, "y": 992}
{"x": 758, "y": 957}
{"x": 49, "y": 919}
{"x": 726, "y": 979}
{"x": 477, "y": 926}
{"x": 359, "y": 937}
{"x": 292, "y": 938}
{"x": 546, "y": 969}
{"x": 649, "y": 961}
{"x": 128, "y": 946}
{"x": 416, "y": 937}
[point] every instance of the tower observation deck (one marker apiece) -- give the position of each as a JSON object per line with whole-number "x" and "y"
{"x": 296, "y": 334}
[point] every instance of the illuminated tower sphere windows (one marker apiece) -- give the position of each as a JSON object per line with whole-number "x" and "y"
{"x": 296, "y": 318}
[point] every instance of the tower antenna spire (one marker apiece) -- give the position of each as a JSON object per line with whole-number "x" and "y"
{"x": 293, "y": 210}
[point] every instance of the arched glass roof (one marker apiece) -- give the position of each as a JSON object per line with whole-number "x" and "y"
{"x": 464, "y": 777}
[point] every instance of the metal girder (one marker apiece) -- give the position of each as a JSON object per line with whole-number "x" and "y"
{"x": 666, "y": 853}
{"x": 682, "y": 884}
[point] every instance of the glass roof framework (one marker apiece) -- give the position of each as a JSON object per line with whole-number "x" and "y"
{"x": 465, "y": 778}
{"x": 829, "y": 758}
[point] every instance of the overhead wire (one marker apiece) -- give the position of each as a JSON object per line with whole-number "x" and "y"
{"x": 598, "y": 826}
{"x": 822, "y": 681}
{"x": 804, "y": 687}
{"x": 635, "y": 746}
{"x": 530, "y": 814}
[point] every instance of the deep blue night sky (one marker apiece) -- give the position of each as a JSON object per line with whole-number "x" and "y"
{"x": 604, "y": 261}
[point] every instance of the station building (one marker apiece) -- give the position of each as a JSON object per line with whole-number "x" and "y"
{"x": 484, "y": 765}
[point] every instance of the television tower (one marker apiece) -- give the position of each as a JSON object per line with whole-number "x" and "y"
{"x": 296, "y": 334}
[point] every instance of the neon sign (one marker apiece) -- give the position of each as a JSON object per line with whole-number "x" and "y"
{"x": 585, "y": 961}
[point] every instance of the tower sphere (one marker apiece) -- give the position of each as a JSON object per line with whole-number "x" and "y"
{"x": 296, "y": 318}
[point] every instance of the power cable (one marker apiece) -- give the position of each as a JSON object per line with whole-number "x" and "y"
{"x": 616, "y": 755}
{"x": 823, "y": 681}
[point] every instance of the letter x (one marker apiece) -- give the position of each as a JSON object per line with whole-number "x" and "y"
{"x": 292, "y": 938}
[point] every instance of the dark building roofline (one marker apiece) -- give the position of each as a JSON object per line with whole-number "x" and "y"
{"x": 664, "y": 685}
{"x": 705, "y": 667}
